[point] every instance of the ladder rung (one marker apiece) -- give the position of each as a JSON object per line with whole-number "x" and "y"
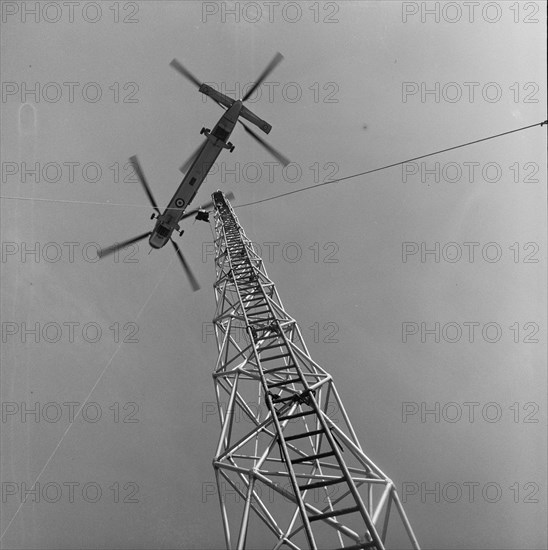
{"x": 334, "y": 513}
{"x": 271, "y": 338}
{"x": 260, "y": 303}
{"x": 272, "y": 357}
{"x": 296, "y": 415}
{"x": 284, "y": 382}
{"x": 264, "y": 329}
{"x": 267, "y": 338}
{"x": 272, "y": 346}
{"x": 254, "y": 297}
{"x": 312, "y": 457}
{"x": 324, "y": 483}
{"x": 304, "y": 434}
{"x": 278, "y": 399}
{"x": 283, "y": 367}
{"x": 260, "y": 313}
{"x": 252, "y": 306}
{"x": 259, "y": 325}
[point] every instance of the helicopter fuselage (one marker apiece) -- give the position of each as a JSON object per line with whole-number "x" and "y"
{"x": 216, "y": 141}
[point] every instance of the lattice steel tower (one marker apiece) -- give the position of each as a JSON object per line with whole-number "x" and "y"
{"x": 290, "y": 470}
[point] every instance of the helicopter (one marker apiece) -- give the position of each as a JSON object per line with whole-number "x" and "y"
{"x": 198, "y": 166}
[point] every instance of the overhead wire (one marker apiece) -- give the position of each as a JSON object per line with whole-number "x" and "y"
{"x": 345, "y": 178}
{"x": 389, "y": 165}
{"x": 86, "y": 400}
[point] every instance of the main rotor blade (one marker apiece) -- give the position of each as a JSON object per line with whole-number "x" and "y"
{"x": 188, "y": 163}
{"x": 186, "y": 73}
{"x": 137, "y": 167}
{"x": 276, "y": 154}
{"x": 206, "y": 206}
{"x": 190, "y": 275}
{"x": 110, "y": 249}
{"x": 270, "y": 67}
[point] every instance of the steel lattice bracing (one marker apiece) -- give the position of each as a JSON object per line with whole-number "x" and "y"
{"x": 290, "y": 470}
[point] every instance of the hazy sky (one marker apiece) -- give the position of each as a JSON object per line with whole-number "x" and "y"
{"x": 362, "y": 85}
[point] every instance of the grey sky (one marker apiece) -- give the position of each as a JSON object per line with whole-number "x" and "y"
{"x": 359, "y": 61}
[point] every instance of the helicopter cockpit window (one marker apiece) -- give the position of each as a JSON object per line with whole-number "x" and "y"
{"x": 219, "y": 133}
{"x": 163, "y": 231}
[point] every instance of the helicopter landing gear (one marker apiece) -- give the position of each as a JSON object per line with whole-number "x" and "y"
{"x": 230, "y": 147}
{"x": 205, "y": 131}
{"x": 153, "y": 215}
